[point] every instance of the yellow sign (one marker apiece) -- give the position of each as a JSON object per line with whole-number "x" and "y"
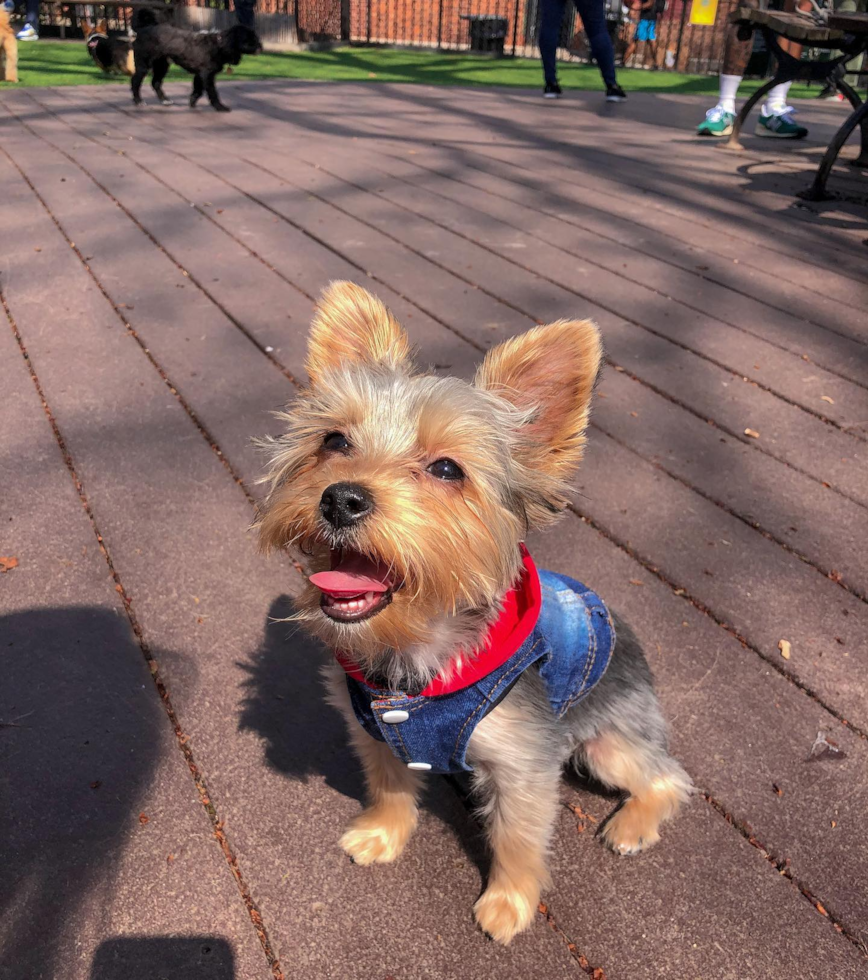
{"x": 703, "y": 12}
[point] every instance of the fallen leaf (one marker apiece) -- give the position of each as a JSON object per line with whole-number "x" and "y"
{"x": 634, "y": 415}
{"x": 826, "y": 398}
{"x": 170, "y": 858}
{"x": 777, "y": 789}
{"x": 96, "y": 784}
{"x": 834, "y": 824}
{"x": 7, "y": 563}
{"x": 619, "y": 368}
{"x": 543, "y": 908}
{"x": 372, "y": 74}
{"x": 752, "y": 433}
{"x": 37, "y": 249}
{"x": 143, "y": 819}
{"x": 636, "y": 581}
{"x": 786, "y": 648}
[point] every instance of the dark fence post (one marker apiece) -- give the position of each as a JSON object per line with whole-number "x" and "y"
{"x": 514, "y": 26}
{"x": 684, "y": 4}
{"x": 440, "y": 26}
{"x": 345, "y": 20}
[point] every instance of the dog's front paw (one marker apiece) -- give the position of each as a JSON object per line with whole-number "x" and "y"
{"x": 378, "y": 835}
{"x": 631, "y": 829}
{"x": 166, "y": 102}
{"x": 503, "y": 912}
{"x": 222, "y": 108}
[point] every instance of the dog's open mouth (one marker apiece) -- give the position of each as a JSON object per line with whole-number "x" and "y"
{"x": 356, "y": 587}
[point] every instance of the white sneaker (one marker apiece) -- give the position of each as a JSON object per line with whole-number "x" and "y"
{"x": 27, "y": 33}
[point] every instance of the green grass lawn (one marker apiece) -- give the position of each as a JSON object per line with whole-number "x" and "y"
{"x": 68, "y": 63}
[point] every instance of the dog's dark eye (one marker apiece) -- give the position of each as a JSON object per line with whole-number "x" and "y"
{"x": 336, "y": 440}
{"x": 446, "y": 469}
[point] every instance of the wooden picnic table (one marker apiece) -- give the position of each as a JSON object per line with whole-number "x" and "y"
{"x": 845, "y": 32}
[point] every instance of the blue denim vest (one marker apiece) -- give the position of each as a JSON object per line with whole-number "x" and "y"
{"x": 570, "y": 646}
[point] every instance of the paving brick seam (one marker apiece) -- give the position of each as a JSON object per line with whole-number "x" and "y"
{"x": 729, "y": 234}
{"x": 646, "y": 563}
{"x": 181, "y": 737}
{"x": 683, "y": 592}
{"x": 821, "y": 325}
{"x": 506, "y": 258}
{"x": 828, "y": 573}
{"x": 844, "y": 247}
{"x": 847, "y": 429}
{"x": 208, "y": 132}
{"x": 700, "y": 250}
{"x": 751, "y": 443}
{"x": 598, "y": 528}
{"x": 650, "y": 567}
{"x": 300, "y": 228}
{"x": 672, "y": 213}
{"x": 782, "y": 865}
{"x": 235, "y": 322}
{"x": 193, "y": 204}
{"x": 623, "y": 244}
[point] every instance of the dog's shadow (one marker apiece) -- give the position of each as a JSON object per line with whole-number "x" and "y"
{"x": 304, "y": 737}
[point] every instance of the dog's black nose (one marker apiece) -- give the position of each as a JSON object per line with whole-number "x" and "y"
{"x": 345, "y": 504}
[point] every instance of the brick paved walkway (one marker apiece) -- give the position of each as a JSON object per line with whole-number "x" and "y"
{"x": 158, "y": 271}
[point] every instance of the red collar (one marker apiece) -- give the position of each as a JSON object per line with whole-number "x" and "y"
{"x": 521, "y": 609}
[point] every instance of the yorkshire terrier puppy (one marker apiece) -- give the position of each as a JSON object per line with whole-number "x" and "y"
{"x": 408, "y": 497}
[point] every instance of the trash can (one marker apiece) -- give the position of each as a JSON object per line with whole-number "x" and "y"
{"x": 487, "y": 32}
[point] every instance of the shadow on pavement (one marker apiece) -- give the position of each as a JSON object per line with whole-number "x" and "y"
{"x": 305, "y": 737}
{"x": 164, "y": 957}
{"x": 78, "y": 746}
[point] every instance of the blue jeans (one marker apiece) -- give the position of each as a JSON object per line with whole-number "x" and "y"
{"x": 593, "y": 16}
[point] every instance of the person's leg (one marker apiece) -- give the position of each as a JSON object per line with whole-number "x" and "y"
{"x": 244, "y": 13}
{"x": 552, "y": 16}
{"x": 736, "y": 54}
{"x": 593, "y": 14}
{"x": 30, "y": 31}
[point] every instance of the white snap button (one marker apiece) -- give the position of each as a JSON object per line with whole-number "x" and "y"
{"x": 395, "y": 717}
{"x": 420, "y": 766}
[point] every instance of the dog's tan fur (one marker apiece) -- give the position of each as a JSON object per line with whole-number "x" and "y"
{"x": 8, "y": 50}
{"x": 517, "y": 432}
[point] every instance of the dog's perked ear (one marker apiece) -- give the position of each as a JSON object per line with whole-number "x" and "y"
{"x": 102, "y": 27}
{"x": 85, "y": 27}
{"x": 549, "y": 374}
{"x": 353, "y": 326}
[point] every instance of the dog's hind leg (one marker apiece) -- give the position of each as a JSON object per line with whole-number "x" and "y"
{"x": 136, "y": 84}
{"x": 161, "y": 68}
{"x": 213, "y": 97}
{"x": 655, "y": 782}
{"x": 198, "y": 89}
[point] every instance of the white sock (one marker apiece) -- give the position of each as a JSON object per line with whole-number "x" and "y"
{"x": 776, "y": 100}
{"x": 728, "y": 90}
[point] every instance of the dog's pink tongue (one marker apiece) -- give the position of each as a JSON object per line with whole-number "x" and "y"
{"x": 353, "y": 574}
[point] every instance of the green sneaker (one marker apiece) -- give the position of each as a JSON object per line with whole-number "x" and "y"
{"x": 780, "y": 125}
{"x": 717, "y": 122}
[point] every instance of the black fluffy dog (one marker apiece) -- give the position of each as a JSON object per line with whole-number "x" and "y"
{"x": 202, "y": 53}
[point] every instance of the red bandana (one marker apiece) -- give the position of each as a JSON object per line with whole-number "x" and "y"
{"x": 521, "y": 609}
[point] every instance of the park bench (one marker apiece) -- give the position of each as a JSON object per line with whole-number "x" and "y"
{"x": 846, "y": 33}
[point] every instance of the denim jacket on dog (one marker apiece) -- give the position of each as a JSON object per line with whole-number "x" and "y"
{"x": 549, "y": 621}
